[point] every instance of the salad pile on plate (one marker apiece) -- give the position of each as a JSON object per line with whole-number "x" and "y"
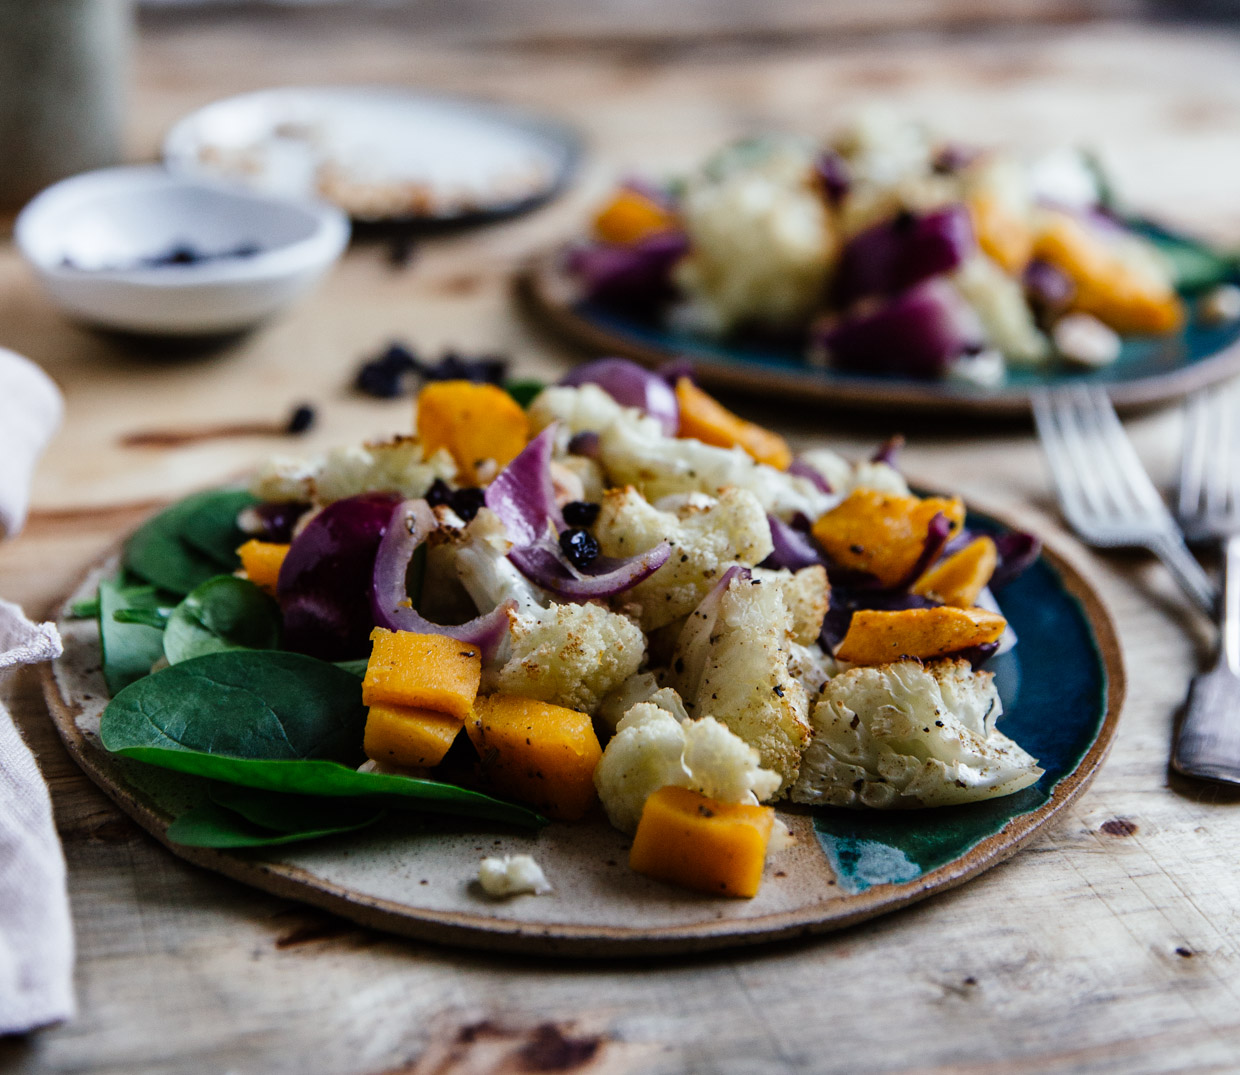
{"x": 889, "y": 251}
{"x": 618, "y": 593}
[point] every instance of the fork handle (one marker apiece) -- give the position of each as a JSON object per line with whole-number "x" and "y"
{"x": 1172, "y": 551}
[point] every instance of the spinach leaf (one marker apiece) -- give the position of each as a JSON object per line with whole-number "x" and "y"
{"x": 355, "y": 667}
{"x": 211, "y": 527}
{"x": 210, "y": 824}
{"x": 1195, "y": 266}
{"x": 524, "y": 389}
{"x": 244, "y": 703}
{"x": 293, "y": 813}
{"x": 190, "y": 542}
{"x": 85, "y": 610}
{"x": 129, "y": 649}
{"x": 149, "y": 617}
{"x": 313, "y": 776}
{"x": 274, "y": 721}
{"x": 223, "y": 613}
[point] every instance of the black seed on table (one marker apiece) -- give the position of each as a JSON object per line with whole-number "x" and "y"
{"x": 301, "y": 419}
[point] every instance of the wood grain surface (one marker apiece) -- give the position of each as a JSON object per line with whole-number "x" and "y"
{"x": 1109, "y": 945}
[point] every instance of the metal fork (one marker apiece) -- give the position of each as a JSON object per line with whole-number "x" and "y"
{"x": 1104, "y": 491}
{"x": 1208, "y": 742}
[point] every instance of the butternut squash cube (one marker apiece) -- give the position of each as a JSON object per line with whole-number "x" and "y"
{"x": 962, "y": 576}
{"x": 689, "y": 840}
{"x": 540, "y": 754}
{"x": 425, "y": 671}
{"x": 882, "y": 534}
{"x": 631, "y": 217}
{"x": 926, "y": 633}
{"x": 261, "y": 560}
{"x": 474, "y": 422}
{"x": 409, "y": 736}
{"x": 1001, "y": 234}
{"x": 1111, "y": 287}
{"x": 704, "y": 418}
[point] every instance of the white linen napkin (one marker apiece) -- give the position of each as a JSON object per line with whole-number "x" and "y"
{"x": 30, "y": 411}
{"x": 36, "y": 936}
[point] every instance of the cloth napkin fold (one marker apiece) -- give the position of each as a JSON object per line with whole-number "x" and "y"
{"x": 36, "y": 936}
{"x": 30, "y": 411}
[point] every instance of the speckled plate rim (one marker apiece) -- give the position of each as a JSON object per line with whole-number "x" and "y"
{"x": 546, "y": 293}
{"x": 492, "y": 932}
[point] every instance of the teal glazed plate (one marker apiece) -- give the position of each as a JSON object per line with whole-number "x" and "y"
{"x": 1062, "y": 687}
{"x": 1149, "y": 370}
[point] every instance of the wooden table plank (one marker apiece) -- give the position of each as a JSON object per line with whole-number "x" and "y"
{"x": 1109, "y": 946}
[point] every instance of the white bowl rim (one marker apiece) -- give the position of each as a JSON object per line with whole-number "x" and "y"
{"x": 320, "y": 248}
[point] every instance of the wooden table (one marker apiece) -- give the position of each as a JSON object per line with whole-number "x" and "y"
{"x": 1110, "y": 945}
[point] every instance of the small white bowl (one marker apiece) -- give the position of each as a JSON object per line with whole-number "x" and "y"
{"x": 90, "y": 239}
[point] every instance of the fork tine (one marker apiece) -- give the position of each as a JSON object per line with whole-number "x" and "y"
{"x": 1106, "y": 456}
{"x": 1193, "y": 461}
{"x": 1081, "y": 451}
{"x": 1058, "y": 456}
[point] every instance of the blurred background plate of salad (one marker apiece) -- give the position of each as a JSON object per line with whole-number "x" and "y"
{"x": 890, "y": 265}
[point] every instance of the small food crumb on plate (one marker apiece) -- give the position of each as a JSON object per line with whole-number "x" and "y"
{"x": 512, "y": 875}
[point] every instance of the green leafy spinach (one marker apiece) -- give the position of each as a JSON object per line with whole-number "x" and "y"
{"x": 277, "y": 722}
{"x": 223, "y": 613}
{"x": 190, "y": 542}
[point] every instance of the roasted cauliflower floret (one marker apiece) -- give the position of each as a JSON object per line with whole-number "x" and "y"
{"x": 584, "y": 408}
{"x": 642, "y": 687}
{"x": 659, "y": 466}
{"x": 707, "y": 537}
{"x": 569, "y": 655}
{"x": 807, "y": 595}
{"x": 653, "y": 749}
{"x": 396, "y": 465}
{"x": 732, "y": 663}
{"x": 905, "y": 735}
{"x": 763, "y": 241}
{"x": 486, "y": 573}
{"x": 843, "y": 477}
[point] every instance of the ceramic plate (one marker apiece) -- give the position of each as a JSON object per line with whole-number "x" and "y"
{"x": 1148, "y": 371}
{"x": 1062, "y": 688}
{"x": 381, "y": 154}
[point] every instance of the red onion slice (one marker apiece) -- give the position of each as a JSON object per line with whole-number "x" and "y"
{"x": 631, "y": 385}
{"x": 544, "y": 565}
{"x": 802, "y": 469}
{"x": 523, "y": 495}
{"x": 792, "y": 549}
{"x": 411, "y": 524}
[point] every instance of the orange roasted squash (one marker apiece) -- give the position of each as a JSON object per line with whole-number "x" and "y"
{"x": 881, "y": 637}
{"x": 1125, "y": 296}
{"x": 699, "y": 843}
{"x": 631, "y": 217}
{"x": 409, "y": 736}
{"x": 261, "y": 561}
{"x": 427, "y": 671}
{"x": 959, "y": 578}
{"x": 1001, "y": 234}
{"x": 540, "y": 754}
{"x": 704, "y": 418}
{"x": 883, "y": 534}
{"x": 474, "y": 422}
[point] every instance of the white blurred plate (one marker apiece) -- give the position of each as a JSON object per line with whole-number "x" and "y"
{"x": 379, "y": 153}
